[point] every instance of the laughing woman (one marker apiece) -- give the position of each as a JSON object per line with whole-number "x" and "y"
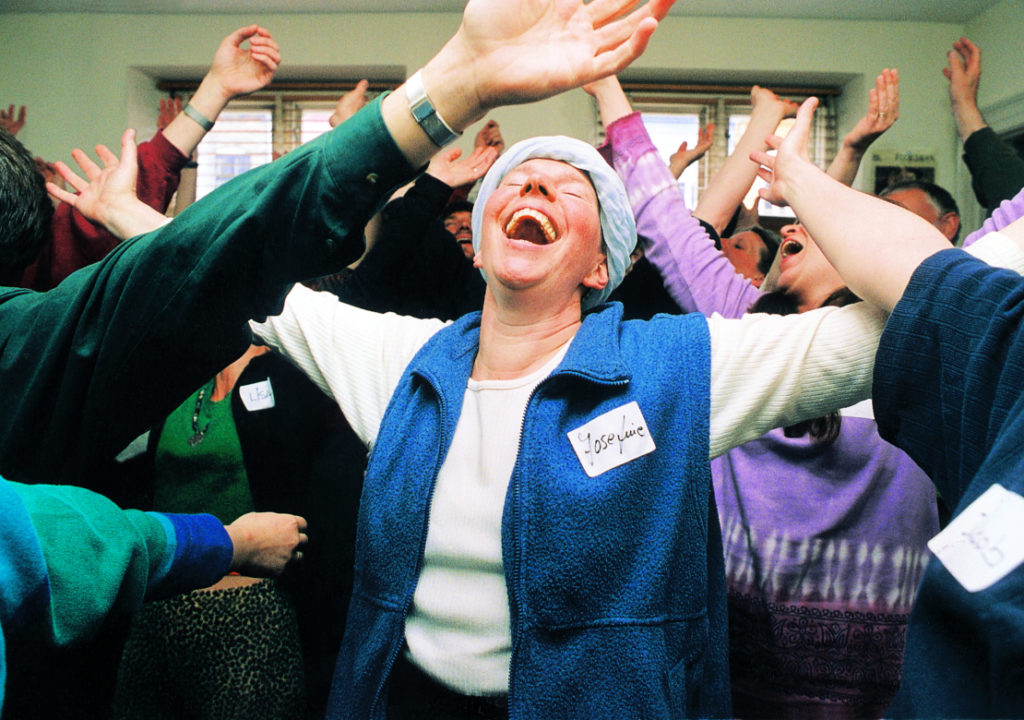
{"x": 537, "y": 534}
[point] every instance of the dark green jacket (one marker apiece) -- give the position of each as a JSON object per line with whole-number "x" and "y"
{"x": 86, "y": 367}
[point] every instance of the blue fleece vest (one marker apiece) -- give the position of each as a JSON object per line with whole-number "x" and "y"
{"x": 615, "y": 583}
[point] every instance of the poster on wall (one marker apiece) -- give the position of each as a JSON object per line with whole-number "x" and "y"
{"x": 892, "y": 166}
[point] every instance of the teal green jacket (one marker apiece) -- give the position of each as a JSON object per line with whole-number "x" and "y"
{"x": 69, "y": 557}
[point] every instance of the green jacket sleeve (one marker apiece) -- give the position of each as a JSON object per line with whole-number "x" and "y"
{"x": 101, "y": 560}
{"x": 89, "y": 365}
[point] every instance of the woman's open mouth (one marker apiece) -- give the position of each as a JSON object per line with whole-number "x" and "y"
{"x": 790, "y": 247}
{"x": 532, "y": 226}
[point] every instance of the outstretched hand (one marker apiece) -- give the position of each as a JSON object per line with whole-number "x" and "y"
{"x": 764, "y": 100}
{"x": 791, "y": 154}
{"x": 455, "y": 171}
{"x": 490, "y": 136}
{"x": 684, "y": 156}
{"x": 533, "y": 49}
{"x": 10, "y": 122}
{"x": 107, "y": 196}
{"x": 265, "y": 542}
{"x": 963, "y": 70}
{"x": 349, "y": 104}
{"x": 883, "y": 111}
{"x": 240, "y": 71}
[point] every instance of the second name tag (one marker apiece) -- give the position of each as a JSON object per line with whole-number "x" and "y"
{"x": 257, "y": 396}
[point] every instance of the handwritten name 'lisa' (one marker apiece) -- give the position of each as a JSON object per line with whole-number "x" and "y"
{"x": 594, "y": 445}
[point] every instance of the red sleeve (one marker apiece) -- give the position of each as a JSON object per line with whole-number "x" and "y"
{"x": 76, "y": 242}
{"x": 160, "y": 166}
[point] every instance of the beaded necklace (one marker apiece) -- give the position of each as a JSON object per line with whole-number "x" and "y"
{"x": 197, "y": 434}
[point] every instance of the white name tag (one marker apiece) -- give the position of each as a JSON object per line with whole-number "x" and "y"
{"x": 258, "y": 396}
{"x": 612, "y": 439}
{"x": 985, "y": 542}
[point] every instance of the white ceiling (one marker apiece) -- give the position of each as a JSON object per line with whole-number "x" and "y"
{"x": 950, "y": 11}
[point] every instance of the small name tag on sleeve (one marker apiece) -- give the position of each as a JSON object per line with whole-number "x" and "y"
{"x": 612, "y": 439}
{"x": 257, "y": 396}
{"x": 985, "y": 542}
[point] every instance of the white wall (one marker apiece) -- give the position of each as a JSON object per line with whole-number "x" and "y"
{"x": 80, "y": 74}
{"x": 999, "y": 34}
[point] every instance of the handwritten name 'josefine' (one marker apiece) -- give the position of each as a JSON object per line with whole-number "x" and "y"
{"x": 595, "y": 445}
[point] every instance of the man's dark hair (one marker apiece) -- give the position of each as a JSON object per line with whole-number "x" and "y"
{"x": 771, "y": 241}
{"x": 457, "y": 206}
{"x": 937, "y": 194}
{"x": 25, "y": 209}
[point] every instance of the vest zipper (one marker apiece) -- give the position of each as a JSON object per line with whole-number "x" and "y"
{"x": 514, "y": 483}
{"x": 513, "y": 604}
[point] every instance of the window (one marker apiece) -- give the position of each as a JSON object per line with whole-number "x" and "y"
{"x": 673, "y": 114}
{"x": 254, "y": 130}
{"x": 668, "y": 131}
{"x": 242, "y": 139}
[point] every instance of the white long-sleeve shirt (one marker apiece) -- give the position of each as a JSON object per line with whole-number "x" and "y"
{"x": 766, "y": 371}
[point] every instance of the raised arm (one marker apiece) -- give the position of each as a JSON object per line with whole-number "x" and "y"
{"x": 726, "y": 190}
{"x": 875, "y": 245}
{"x": 684, "y": 156}
{"x": 883, "y": 111}
{"x": 178, "y": 298}
{"x": 963, "y": 71}
{"x": 235, "y": 71}
{"x": 997, "y": 171}
{"x": 697, "y": 276}
{"x": 507, "y": 53}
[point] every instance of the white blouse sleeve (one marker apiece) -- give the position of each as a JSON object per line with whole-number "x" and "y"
{"x": 769, "y": 371}
{"x": 355, "y": 356}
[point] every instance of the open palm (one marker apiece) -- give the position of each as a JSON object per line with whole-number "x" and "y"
{"x": 533, "y": 49}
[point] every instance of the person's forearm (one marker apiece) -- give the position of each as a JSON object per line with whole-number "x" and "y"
{"x": 845, "y": 164}
{"x": 185, "y": 133}
{"x": 448, "y": 83}
{"x": 727, "y": 188}
{"x": 612, "y": 102}
{"x": 697, "y": 276}
{"x": 186, "y": 189}
{"x": 875, "y": 245}
{"x": 101, "y": 559}
{"x": 136, "y": 219}
{"x": 968, "y": 119}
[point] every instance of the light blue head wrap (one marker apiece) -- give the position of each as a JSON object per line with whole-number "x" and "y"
{"x": 617, "y": 225}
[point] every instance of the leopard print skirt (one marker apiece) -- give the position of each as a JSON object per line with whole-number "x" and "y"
{"x": 213, "y": 654}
